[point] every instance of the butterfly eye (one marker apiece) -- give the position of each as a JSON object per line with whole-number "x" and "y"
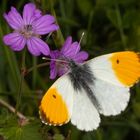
{"x": 117, "y": 61}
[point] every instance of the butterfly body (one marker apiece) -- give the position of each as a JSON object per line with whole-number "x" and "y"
{"x": 81, "y": 78}
{"x": 80, "y": 75}
{"x": 98, "y": 86}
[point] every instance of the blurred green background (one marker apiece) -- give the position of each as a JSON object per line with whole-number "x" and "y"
{"x": 109, "y": 25}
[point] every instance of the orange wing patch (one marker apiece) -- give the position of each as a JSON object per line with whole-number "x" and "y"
{"x": 126, "y": 66}
{"x": 53, "y": 109}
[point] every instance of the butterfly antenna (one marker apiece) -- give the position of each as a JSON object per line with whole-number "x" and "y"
{"x": 81, "y": 37}
{"x": 47, "y": 38}
{"x": 56, "y": 60}
{"x": 80, "y": 41}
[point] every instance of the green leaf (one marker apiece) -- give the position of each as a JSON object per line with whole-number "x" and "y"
{"x": 14, "y": 131}
{"x": 58, "y": 137}
{"x": 136, "y": 108}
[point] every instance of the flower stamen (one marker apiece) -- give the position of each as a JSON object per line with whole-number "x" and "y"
{"x": 27, "y": 31}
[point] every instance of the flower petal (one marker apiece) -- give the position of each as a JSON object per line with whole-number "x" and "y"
{"x": 53, "y": 70}
{"x": 62, "y": 71}
{"x": 73, "y": 50}
{"x": 37, "y": 13}
{"x": 29, "y": 13}
{"x": 14, "y": 19}
{"x": 81, "y": 57}
{"x": 66, "y": 45}
{"x": 32, "y": 48}
{"x": 44, "y": 25}
{"x": 20, "y": 44}
{"x": 15, "y": 40}
{"x": 45, "y": 29}
{"x": 75, "y": 47}
{"x": 55, "y": 54}
{"x": 44, "y": 21}
{"x": 11, "y": 38}
{"x": 36, "y": 46}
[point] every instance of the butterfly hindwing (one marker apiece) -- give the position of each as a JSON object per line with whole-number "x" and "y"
{"x": 112, "y": 98}
{"x": 85, "y": 116}
{"x": 56, "y": 105}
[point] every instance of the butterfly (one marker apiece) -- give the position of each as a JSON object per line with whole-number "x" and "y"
{"x": 98, "y": 86}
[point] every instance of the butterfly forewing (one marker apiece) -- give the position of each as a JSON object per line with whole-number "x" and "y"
{"x": 56, "y": 105}
{"x": 120, "y": 68}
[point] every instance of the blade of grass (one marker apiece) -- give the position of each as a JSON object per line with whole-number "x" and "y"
{"x": 34, "y": 72}
{"x": 120, "y": 26}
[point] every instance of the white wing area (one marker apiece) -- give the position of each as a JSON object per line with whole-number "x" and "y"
{"x": 112, "y": 99}
{"x": 85, "y": 116}
{"x": 102, "y": 69}
{"x": 64, "y": 86}
{"x": 112, "y": 96}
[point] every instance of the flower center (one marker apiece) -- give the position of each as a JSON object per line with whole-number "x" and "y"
{"x": 27, "y": 31}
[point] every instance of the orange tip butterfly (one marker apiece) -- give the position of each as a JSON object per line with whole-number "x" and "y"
{"x": 98, "y": 86}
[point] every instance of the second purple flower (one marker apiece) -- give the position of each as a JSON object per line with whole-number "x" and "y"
{"x": 27, "y": 30}
{"x": 69, "y": 51}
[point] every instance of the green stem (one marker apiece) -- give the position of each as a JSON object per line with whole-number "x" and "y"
{"x": 89, "y": 26}
{"x": 34, "y": 72}
{"x": 120, "y": 26}
{"x": 37, "y": 66}
{"x": 21, "y": 81}
{"x": 58, "y": 37}
{"x": 34, "y": 93}
{"x": 11, "y": 109}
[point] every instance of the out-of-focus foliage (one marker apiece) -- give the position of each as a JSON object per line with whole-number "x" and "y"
{"x": 109, "y": 25}
{"x": 13, "y": 130}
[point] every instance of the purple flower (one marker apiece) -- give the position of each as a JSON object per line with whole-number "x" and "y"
{"x": 71, "y": 51}
{"x": 27, "y": 29}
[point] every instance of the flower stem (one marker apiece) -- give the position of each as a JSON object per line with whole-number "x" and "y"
{"x": 58, "y": 36}
{"x": 37, "y": 66}
{"x": 21, "y": 81}
{"x": 11, "y": 109}
{"x": 34, "y": 73}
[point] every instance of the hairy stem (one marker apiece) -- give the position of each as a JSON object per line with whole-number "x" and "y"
{"x": 12, "y": 109}
{"x": 21, "y": 81}
{"x": 37, "y": 66}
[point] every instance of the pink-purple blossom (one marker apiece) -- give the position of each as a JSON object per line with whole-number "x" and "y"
{"x": 69, "y": 51}
{"x": 28, "y": 29}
